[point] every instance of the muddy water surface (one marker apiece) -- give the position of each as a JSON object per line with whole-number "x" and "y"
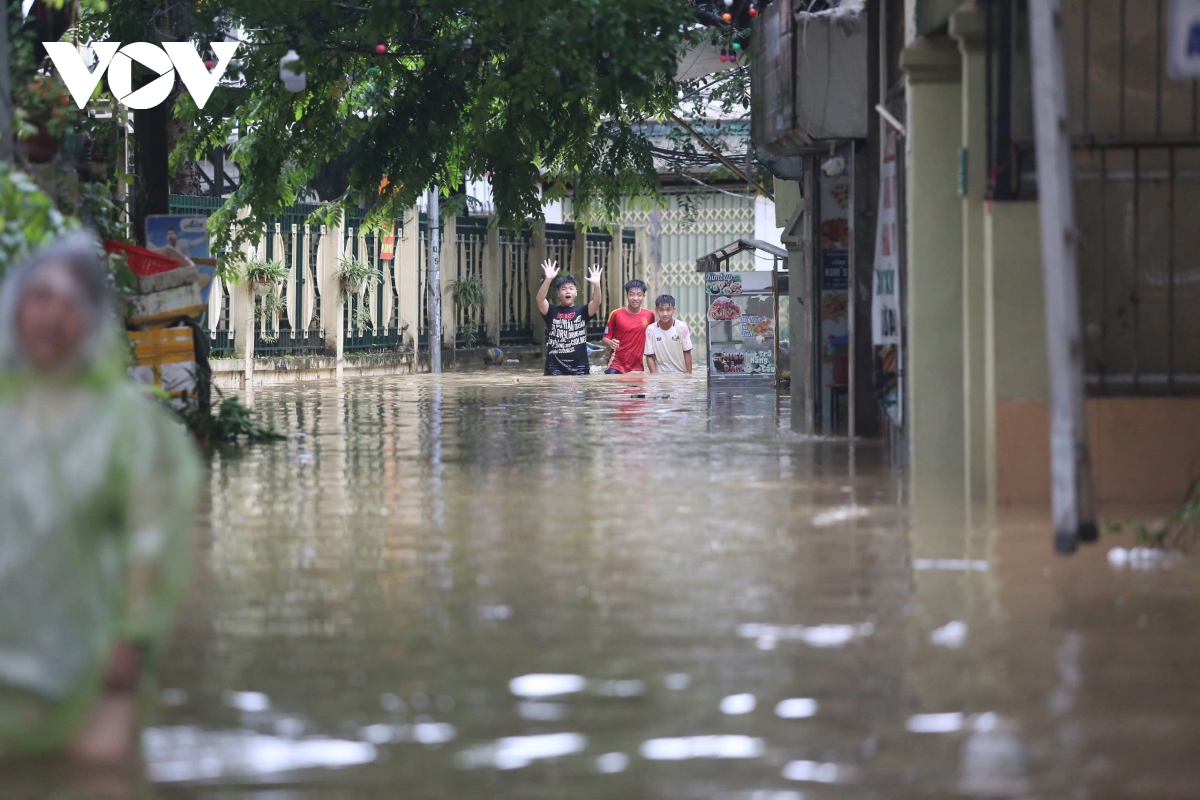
{"x": 473, "y": 587}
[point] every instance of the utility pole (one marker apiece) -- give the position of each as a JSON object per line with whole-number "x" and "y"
{"x": 435, "y": 285}
{"x": 1072, "y": 498}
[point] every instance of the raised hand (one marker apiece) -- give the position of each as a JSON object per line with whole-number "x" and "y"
{"x": 593, "y": 276}
{"x": 550, "y": 268}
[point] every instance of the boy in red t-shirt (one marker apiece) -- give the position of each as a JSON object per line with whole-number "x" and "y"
{"x": 625, "y": 331}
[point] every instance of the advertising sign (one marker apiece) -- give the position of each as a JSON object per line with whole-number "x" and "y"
{"x": 885, "y": 299}
{"x": 185, "y": 239}
{"x": 885, "y": 295}
{"x": 1183, "y": 39}
{"x": 741, "y": 325}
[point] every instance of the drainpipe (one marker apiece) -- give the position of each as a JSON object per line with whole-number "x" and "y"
{"x": 1072, "y": 498}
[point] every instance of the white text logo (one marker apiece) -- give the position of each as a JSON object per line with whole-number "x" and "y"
{"x": 172, "y": 57}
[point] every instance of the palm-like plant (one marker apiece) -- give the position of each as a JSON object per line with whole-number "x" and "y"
{"x": 265, "y": 276}
{"x": 469, "y": 294}
{"x": 352, "y": 273}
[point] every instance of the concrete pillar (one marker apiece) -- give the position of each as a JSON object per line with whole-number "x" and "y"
{"x": 967, "y": 27}
{"x": 935, "y": 308}
{"x": 329, "y": 253}
{"x": 241, "y": 302}
{"x": 793, "y": 212}
{"x": 408, "y": 275}
{"x": 492, "y": 278}
{"x": 537, "y": 254}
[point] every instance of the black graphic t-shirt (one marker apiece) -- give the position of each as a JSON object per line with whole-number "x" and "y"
{"x": 566, "y": 340}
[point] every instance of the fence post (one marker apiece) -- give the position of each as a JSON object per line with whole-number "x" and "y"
{"x": 408, "y": 275}
{"x": 242, "y": 311}
{"x": 294, "y": 282}
{"x": 451, "y": 271}
{"x": 614, "y": 282}
{"x": 537, "y": 254}
{"x": 579, "y": 263}
{"x": 492, "y": 277}
{"x": 650, "y": 251}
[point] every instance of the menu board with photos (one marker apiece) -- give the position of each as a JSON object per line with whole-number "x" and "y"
{"x": 741, "y": 325}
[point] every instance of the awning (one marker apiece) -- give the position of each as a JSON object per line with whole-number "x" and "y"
{"x": 714, "y": 261}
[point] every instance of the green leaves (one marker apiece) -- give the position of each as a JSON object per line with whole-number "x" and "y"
{"x": 28, "y": 218}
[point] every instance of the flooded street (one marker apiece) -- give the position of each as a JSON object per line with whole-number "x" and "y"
{"x": 475, "y": 587}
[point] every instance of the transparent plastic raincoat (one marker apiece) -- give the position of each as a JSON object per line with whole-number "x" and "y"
{"x": 97, "y": 490}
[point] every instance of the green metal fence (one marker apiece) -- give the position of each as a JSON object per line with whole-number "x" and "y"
{"x": 516, "y": 302}
{"x": 295, "y": 242}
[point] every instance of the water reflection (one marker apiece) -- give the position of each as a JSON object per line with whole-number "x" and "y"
{"x": 633, "y": 588}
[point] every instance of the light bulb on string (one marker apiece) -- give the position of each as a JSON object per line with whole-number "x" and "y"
{"x": 291, "y": 73}
{"x": 381, "y": 48}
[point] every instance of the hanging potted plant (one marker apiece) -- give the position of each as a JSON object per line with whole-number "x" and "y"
{"x": 265, "y": 276}
{"x": 353, "y": 274}
{"x": 43, "y": 115}
{"x": 469, "y": 295}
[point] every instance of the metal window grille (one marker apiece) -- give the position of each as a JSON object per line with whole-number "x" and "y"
{"x": 1136, "y": 141}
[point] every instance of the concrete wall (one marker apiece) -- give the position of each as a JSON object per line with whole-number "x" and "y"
{"x": 1144, "y": 450}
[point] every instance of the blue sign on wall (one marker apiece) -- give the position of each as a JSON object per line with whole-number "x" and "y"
{"x": 835, "y": 270}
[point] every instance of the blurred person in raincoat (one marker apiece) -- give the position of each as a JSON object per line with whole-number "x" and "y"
{"x": 97, "y": 491}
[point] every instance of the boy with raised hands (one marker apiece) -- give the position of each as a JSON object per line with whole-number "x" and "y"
{"x": 566, "y": 323}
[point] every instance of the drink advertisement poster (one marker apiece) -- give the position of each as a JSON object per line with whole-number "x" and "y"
{"x": 741, "y": 325}
{"x": 184, "y": 238}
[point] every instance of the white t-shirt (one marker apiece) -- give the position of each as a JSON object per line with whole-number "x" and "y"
{"x": 668, "y": 346}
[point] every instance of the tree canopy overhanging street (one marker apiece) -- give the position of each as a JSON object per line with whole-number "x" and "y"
{"x": 412, "y": 94}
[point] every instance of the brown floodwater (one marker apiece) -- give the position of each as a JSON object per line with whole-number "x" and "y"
{"x": 474, "y": 587}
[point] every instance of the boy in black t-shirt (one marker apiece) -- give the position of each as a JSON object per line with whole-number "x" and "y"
{"x": 566, "y": 323}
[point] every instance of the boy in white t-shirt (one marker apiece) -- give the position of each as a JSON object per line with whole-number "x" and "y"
{"x": 668, "y": 342}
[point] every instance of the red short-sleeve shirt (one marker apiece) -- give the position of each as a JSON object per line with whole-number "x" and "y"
{"x": 630, "y": 330}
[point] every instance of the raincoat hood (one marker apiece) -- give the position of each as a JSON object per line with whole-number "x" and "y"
{"x": 99, "y": 352}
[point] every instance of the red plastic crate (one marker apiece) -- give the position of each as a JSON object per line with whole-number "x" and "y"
{"x": 141, "y": 261}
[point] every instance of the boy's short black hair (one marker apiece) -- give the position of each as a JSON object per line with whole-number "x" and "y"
{"x": 636, "y": 284}
{"x": 664, "y": 300}
{"x": 563, "y": 280}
